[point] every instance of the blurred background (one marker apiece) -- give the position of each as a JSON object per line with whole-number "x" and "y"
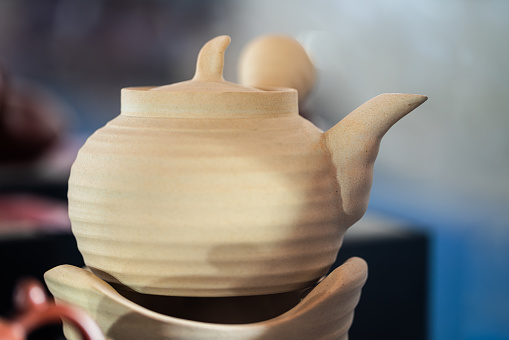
{"x": 444, "y": 169}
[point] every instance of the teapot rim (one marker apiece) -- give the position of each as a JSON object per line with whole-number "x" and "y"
{"x": 270, "y": 102}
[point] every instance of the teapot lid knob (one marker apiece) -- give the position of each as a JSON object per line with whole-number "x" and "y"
{"x": 209, "y": 72}
{"x": 208, "y": 94}
{"x": 210, "y": 63}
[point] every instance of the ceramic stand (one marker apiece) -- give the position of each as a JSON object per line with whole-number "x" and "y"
{"x": 323, "y": 312}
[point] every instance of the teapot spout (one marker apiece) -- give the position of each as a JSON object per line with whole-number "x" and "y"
{"x": 354, "y": 142}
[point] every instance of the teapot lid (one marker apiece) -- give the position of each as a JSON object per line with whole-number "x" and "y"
{"x": 208, "y": 94}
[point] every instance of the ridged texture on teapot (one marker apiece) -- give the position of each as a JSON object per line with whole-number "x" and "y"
{"x": 206, "y": 207}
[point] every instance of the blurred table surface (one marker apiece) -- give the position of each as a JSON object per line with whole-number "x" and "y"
{"x": 394, "y": 301}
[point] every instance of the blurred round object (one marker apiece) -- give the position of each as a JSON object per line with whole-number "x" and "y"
{"x": 277, "y": 61}
{"x": 30, "y": 121}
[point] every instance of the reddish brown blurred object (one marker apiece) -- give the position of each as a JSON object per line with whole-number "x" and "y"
{"x": 29, "y": 121}
{"x": 31, "y": 213}
{"x": 35, "y": 311}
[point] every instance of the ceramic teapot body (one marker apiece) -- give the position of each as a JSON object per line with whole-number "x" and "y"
{"x": 207, "y": 188}
{"x": 192, "y": 207}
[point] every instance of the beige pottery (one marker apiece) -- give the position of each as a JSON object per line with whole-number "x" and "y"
{"x": 209, "y": 188}
{"x": 325, "y": 313}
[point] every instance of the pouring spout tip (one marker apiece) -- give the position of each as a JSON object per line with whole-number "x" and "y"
{"x": 420, "y": 97}
{"x": 417, "y": 99}
{"x": 411, "y": 100}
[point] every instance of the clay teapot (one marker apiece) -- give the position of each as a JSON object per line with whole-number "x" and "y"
{"x": 210, "y": 188}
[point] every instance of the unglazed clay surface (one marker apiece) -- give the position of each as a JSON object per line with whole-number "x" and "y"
{"x": 209, "y": 188}
{"x": 325, "y": 313}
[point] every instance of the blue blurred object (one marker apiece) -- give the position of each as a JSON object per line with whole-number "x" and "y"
{"x": 469, "y": 284}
